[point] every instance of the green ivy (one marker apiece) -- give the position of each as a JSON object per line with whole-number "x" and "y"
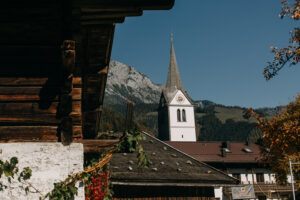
{"x": 10, "y": 170}
{"x": 67, "y": 189}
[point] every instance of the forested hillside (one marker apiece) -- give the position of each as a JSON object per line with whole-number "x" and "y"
{"x": 214, "y": 122}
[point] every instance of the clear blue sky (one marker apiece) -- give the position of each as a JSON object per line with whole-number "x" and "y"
{"x": 221, "y": 47}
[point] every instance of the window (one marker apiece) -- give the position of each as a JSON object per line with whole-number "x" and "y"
{"x": 183, "y": 116}
{"x": 178, "y": 115}
{"x": 237, "y": 176}
{"x": 260, "y": 178}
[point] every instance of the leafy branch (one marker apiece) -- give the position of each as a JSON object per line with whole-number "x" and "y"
{"x": 9, "y": 169}
{"x": 291, "y": 53}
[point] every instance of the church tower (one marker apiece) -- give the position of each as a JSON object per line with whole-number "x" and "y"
{"x": 176, "y": 118}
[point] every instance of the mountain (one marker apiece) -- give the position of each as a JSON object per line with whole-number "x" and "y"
{"x": 125, "y": 83}
{"x": 214, "y": 122}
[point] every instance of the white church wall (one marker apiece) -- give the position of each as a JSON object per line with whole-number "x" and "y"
{"x": 189, "y": 110}
{"x": 182, "y": 130}
{"x": 182, "y": 134}
{"x": 49, "y": 162}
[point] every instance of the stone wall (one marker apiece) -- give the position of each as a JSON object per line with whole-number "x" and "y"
{"x": 50, "y": 163}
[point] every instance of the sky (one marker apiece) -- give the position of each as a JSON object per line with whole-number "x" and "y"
{"x": 221, "y": 48}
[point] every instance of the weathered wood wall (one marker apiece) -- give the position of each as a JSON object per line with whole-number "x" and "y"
{"x": 37, "y": 103}
{"x": 167, "y": 198}
{"x": 130, "y": 192}
{"x": 28, "y": 109}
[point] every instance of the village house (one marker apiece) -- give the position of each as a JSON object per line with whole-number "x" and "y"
{"x": 241, "y": 160}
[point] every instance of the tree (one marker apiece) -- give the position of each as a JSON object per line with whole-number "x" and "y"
{"x": 291, "y": 53}
{"x": 281, "y": 140}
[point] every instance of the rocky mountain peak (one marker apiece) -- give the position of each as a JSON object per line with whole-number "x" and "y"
{"x": 125, "y": 83}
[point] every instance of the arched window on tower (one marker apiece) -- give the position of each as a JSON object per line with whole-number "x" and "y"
{"x": 178, "y": 115}
{"x": 183, "y": 115}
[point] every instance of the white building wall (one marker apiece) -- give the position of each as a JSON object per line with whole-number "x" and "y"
{"x": 190, "y": 117}
{"x": 183, "y": 134}
{"x": 247, "y": 175}
{"x": 289, "y": 179}
{"x": 182, "y": 131}
{"x": 49, "y": 162}
{"x": 218, "y": 192}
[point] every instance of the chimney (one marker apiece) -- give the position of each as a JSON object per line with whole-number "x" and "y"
{"x": 223, "y": 152}
{"x": 129, "y": 116}
{"x": 247, "y": 142}
{"x": 226, "y": 145}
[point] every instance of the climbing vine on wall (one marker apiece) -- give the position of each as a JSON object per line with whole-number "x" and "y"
{"x": 95, "y": 177}
{"x": 10, "y": 170}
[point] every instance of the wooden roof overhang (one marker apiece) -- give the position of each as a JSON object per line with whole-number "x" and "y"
{"x": 54, "y": 58}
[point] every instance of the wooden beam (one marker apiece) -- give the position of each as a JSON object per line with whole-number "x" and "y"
{"x": 95, "y": 14}
{"x": 97, "y": 146}
{"x": 95, "y": 75}
{"x": 31, "y": 108}
{"x": 29, "y": 93}
{"x": 34, "y": 119}
{"x": 125, "y": 4}
{"x": 10, "y": 134}
{"x": 22, "y": 81}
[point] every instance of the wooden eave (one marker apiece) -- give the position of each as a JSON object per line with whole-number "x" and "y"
{"x": 31, "y": 36}
{"x": 126, "y": 4}
{"x": 188, "y": 183}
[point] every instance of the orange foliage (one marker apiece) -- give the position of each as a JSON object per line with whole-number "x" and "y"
{"x": 291, "y": 53}
{"x": 281, "y": 139}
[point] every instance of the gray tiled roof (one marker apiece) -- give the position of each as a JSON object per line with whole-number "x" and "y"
{"x": 168, "y": 166}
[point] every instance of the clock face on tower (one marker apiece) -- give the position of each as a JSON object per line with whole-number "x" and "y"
{"x": 180, "y": 99}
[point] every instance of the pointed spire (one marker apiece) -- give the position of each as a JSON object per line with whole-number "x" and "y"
{"x": 173, "y": 80}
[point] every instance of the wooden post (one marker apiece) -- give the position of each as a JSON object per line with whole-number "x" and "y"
{"x": 65, "y": 101}
{"x": 96, "y": 57}
{"x": 129, "y": 116}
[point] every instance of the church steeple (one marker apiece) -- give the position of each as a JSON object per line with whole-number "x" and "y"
{"x": 173, "y": 79}
{"x": 176, "y": 118}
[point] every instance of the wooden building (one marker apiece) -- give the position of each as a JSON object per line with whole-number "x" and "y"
{"x": 172, "y": 175}
{"x": 54, "y": 58}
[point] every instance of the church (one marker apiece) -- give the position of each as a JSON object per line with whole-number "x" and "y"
{"x": 176, "y": 118}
